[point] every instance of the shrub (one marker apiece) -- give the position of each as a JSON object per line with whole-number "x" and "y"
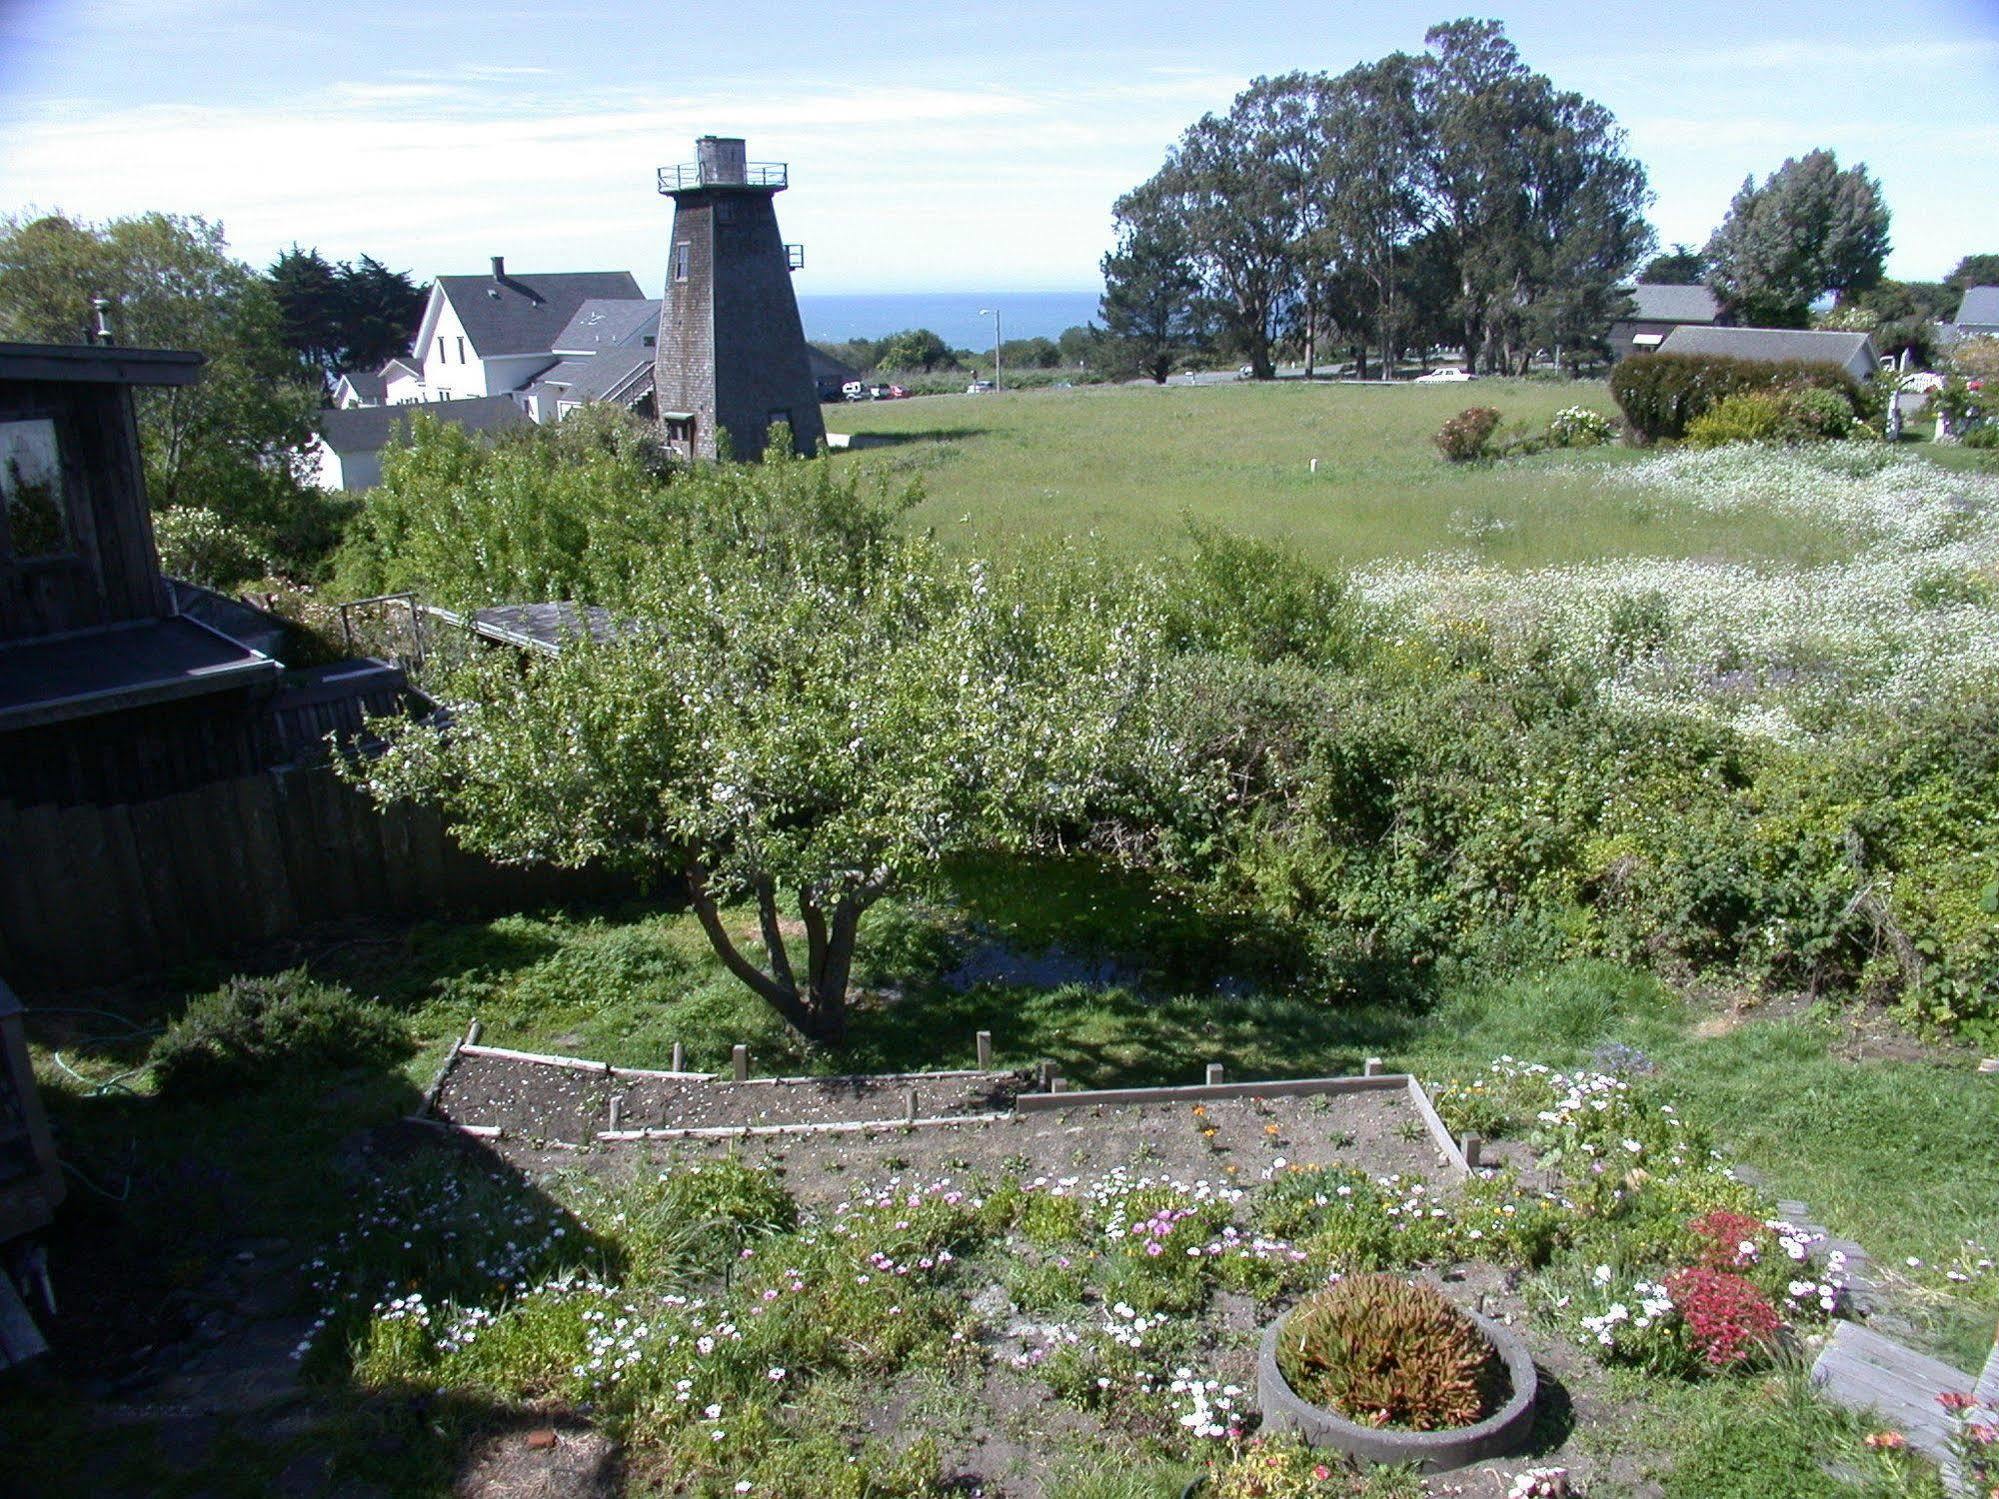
{"x": 1729, "y": 1320}
{"x": 1384, "y": 1352}
{"x": 1985, "y": 436}
{"x": 1662, "y": 394}
{"x": 254, "y": 1031}
{"x": 1464, "y": 437}
{"x": 199, "y": 546}
{"x": 1580, "y": 427}
{"x": 1748, "y": 416}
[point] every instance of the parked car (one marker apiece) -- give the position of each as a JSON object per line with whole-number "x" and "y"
{"x": 978, "y": 387}
{"x": 853, "y": 390}
{"x": 897, "y": 393}
{"x": 1445, "y": 377}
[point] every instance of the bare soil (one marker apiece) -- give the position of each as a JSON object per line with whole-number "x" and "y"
{"x": 568, "y": 1105}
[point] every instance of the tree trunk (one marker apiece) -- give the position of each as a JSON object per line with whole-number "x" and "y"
{"x": 817, "y": 1008}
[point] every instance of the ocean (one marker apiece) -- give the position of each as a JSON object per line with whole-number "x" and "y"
{"x": 952, "y": 316}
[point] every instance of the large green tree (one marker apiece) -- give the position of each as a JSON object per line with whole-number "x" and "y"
{"x": 340, "y": 315}
{"x": 231, "y": 443}
{"x": 1809, "y": 229}
{"x": 1974, "y": 270}
{"x": 804, "y": 707}
{"x": 1153, "y": 309}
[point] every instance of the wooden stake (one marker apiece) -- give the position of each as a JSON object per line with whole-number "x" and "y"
{"x": 984, "y": 1040}
{"x": 473, "y": 1032}
{"x": 1371, "y": 1067}
{"x": 740, "y": 1056}
{"x": 1214, "y": 1074}
{"x": 912, "y": 1106}
{"x": 617, "y": 1102}
{"x": 1058, "y": 1084}
{"x": 679, "y": 1057}
{"x": 1468, "y": 1147}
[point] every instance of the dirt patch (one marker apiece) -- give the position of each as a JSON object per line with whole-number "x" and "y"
{"x": 568, "y": 1105}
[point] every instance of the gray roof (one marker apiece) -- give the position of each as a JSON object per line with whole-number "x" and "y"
{"x": 1980, "y": 306}
{"x": 399, "y": 367}
{"x": 1674, "y": 304}
{"x": 1771, "y": 343}
{"x": 609, "y": 373}
{"x": 523, "y": 314}
{"x": 367, "y": 429}
{"x": 600, "y": 324}
{"x": 367, "y": 384}
{"x": 100, "y": 364}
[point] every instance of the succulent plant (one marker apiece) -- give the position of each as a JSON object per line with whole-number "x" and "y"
{"x": 1386, "y": 1352}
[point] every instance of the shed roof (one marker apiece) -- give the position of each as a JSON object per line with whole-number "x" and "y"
{"x": 367, "y": 429}
{"x": 1980, "y": 305}
{"x": 126, "y": 666}
{"x": 1812, "y": 345}
{"x": 100, "y": 364}
{"x": 514, "y": 314}
{"x": 1674, "y": 304}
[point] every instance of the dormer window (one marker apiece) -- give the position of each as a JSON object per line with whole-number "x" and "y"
{"x": 461, "y": 348}
{"x": 37, "y": 520}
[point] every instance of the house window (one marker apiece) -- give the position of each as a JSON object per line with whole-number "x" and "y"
{"x": 440, "y": 348}
{"x": 461, "y": 348}
{"x": 680, "y": 432}
{"x": 683, "y": 260}
{"x": 31, "y": 481}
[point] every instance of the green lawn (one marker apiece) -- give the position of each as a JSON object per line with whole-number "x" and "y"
{"x": 1127, "y": 463}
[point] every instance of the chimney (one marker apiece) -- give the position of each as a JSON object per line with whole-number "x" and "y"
{"x": 499, "y": 267}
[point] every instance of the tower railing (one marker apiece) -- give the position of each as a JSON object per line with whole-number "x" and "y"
{"x": 794, "y": 257}
{"x": 693, "y": 174}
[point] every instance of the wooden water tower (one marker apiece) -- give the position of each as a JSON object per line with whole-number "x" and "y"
{"x": 731, "y": 348}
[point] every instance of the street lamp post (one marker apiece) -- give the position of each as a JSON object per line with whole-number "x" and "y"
{"x": 999, "y": 381}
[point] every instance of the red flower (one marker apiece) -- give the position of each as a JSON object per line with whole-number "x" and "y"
{"x": 1955, "y": 1400}
{"x": 1729, "y": 1319}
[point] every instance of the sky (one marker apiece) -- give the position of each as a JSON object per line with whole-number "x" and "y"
{"x": 948, "y": 145}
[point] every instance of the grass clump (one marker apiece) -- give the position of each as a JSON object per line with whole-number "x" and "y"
{"x": 1386, "y": 1352}
{"x": 253, "y": 1032}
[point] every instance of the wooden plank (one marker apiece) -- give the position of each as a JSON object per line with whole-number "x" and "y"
{"x": 1864, "y": 1371}
{"x": 1040, "y": 1103}
{"x": 127, "y": 866}
{"x": 838, "y": 1127}
{"x": 1440, "y": 1133}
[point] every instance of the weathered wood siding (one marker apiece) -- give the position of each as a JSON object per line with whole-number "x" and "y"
{"x": 96, "y": 893}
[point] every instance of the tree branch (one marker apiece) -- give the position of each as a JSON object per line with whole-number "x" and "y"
{"x": 784, "y": 1001}
{"x": 780, "y": 960}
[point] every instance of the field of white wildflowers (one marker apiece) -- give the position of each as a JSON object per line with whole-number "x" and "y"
{"x": 1911, "y": 616}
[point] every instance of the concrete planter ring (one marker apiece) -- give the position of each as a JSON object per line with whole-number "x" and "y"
{"x": 1437, "y": 1451}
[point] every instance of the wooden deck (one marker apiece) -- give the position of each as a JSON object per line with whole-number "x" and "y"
{"x": 1864, "y": 1371}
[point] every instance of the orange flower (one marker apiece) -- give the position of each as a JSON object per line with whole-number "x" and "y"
{"x": 1887, "y": 1441}
{"x": 1270, "y": 1129}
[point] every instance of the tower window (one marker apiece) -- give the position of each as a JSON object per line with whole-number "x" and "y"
{"x": 683, "y": 260}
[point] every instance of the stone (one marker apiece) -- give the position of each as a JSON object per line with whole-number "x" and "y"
{"x": 541, "y": 1440}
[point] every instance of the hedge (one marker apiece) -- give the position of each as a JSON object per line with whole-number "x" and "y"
{"x": 1660, "y": 394}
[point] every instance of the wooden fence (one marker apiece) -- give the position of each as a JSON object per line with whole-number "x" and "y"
{"x": 92, "y": 894}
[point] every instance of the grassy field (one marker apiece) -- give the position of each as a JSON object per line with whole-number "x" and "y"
{"x": 1127, "y": 463}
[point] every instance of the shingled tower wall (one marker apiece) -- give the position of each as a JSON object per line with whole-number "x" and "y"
{"x": 731, "y": 348}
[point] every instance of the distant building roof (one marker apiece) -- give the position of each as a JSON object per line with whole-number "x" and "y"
{"x": 397, "y": 367}
{"x": 510, "y": 314}
{"x": 600, "y": 325}
{"x": 1674, "y": 304}
{"x": 367, "y": 385}
{"x": 826, "y": 367}
{"x": 367, "y": 429}
{"x": 1980, "y": 307}
{"x": 1850, "y": 351}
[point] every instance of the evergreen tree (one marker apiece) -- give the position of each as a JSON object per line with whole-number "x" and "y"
{"x": 1810, "y": 229}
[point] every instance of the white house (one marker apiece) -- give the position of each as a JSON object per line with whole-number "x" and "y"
{"x": 487, "y": 335}
{"x": 1978, "y": 313}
